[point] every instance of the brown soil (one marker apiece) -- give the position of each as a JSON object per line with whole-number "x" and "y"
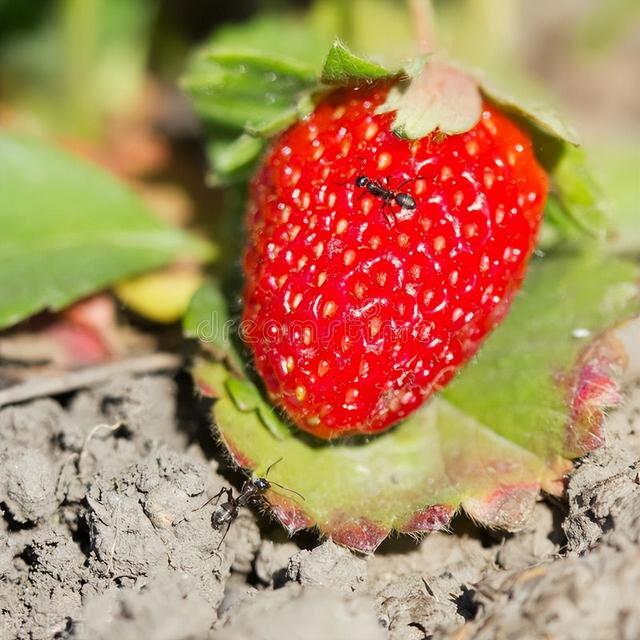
{"x": 99, "y": 540}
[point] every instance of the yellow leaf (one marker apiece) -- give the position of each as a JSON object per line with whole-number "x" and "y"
{"x": 161, "y": 296}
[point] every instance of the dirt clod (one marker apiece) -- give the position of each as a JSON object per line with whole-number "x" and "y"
{"x": 312, "y": 613}
{"x": 328, "y": 565}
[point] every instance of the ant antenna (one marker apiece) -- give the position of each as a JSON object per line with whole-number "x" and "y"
{"x": 363, "y": 161}
{"x": 277, "y": 484}
{"x": 273, "y": 464}
{"x": 287, "y": 489}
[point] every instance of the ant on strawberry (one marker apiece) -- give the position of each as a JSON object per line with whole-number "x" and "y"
{"x": 251, "y": 494}
{"x": 379, "y": 190}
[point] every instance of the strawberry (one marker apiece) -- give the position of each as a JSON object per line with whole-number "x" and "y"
{"x": 356, "y": 309}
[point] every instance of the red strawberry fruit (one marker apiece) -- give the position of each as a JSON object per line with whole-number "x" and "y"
{"x": 359, "y": 303}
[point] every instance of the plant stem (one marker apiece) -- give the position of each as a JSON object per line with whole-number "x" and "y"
{"x": 79, "y": 21}
{"x": 422, "y": 15}
{"x": 344, "y": 10}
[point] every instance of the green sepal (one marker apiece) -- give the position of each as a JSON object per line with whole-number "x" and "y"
{"x": 343, "y": 68}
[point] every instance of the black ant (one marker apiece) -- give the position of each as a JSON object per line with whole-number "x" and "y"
{"x": 377, "y": 189}
{"x": 251, "y": 494}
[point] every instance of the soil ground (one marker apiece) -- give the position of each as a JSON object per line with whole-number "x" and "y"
{"x": 98, "y": 539}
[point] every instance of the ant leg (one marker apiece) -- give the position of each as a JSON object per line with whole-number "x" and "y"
{"x": 411, "y": 180}
{"x": 224, "y": 535}
{"x": 217, "y": 497}
{"x": 388, "y": 214}
{"x": 387, "y": 182}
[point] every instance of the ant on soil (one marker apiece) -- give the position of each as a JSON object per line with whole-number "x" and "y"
{"x": 251, "y": 494}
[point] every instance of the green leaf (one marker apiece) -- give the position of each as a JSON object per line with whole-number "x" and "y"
{"x": 343, "y": 68}
{"x": 247, "y": 398}
{"x": 575, "y": 196}
{"x": 249, "y": 82}
{"x": 234, "y": 157}
{"x": 617, "y": 166}
{"x": 500, "y": 431}
{"x": 513, "y": 383}
{"x": 69, "y": 229}
{"x": 542, "y": 117}
{"x": 296, "y": 37}
{"x": 578, "y": 194}
{"x": 246, "y": 90}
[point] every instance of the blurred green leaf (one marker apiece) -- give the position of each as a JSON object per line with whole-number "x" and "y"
{"x": 254, "y": 79}
{"x": 234, "y": 156}
{"x": 578, "y": 195}
{"x": 243, "y": 89}
{"x": 617, "y": 167}
{"x": 69, "y": 229}
{"x": 487, "y": 442}
{"x": 247, "y": 82}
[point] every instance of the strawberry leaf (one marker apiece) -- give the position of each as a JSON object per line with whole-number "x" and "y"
{"x": 500, "y": 432}
{"x": 248, "y": 82}
{"x": 576, "y": 198}
{"x": 343, "y": 68}
{"x": 69, "y": 229}
{"x": 570, "y": 298}
{"x": 233, "y": 156}
{"x": 540, "y": 116}
{"x": 578, "y": 195}
{"x": 241, "y": 88}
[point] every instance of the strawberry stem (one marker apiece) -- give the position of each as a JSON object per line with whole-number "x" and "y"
{"x": 345, "y": 20}
{"x": 423, "y": 18}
